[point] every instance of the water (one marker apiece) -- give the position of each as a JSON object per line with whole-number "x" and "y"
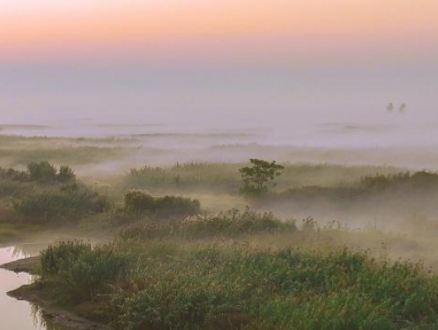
{"x": 17, "y": 315}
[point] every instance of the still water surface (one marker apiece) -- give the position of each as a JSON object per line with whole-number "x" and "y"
{"x": 18, "y": 315}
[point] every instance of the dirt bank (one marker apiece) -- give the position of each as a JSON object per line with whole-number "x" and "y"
{"x": 34, "y": 294}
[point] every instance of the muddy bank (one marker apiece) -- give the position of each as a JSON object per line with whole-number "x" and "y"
{"x": 52, "y": 314}
{"x": 27, "y": 265}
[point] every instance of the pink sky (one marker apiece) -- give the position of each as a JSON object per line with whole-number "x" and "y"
{"x": 158, "y": 59}
{"x": 305, "y": 30}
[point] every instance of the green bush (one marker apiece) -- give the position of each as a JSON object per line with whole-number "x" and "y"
{"x": 139, "y": 203}
{"x": 13, "y": 175}
{"x": 210, "y": 288}
{"x": 215, "y": 287}
{"x": 55, "y": 257}
{"x": 42, "y": 171}
{"x": 67, "y": 205}
{"x": 66, "y": 174}
{"x": 81, "y": 272}
{"x": 176, "y": 206}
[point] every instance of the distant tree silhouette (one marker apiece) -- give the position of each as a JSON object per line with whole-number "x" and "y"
{"x": 390, "y": 107}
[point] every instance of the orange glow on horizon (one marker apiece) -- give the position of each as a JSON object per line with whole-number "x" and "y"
{"x": 154, "y": 28}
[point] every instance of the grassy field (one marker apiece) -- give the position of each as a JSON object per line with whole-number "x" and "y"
{"x": 186, "y": 250}
{"x": 240, "y": 270}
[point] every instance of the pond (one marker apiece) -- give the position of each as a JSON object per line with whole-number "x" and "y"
{"x": 19, "y": 315}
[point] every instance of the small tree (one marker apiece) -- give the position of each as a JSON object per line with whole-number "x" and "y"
{"x": 256, "y": 177}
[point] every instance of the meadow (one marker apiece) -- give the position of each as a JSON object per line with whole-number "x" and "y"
{"x": 184, "y": 248}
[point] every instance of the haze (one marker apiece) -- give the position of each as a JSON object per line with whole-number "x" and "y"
{"x": 281, "y": 65}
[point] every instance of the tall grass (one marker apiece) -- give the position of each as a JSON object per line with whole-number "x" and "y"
{"x": 79, "y": 272}
{"x": 225, "y": 177}
{"x": 228, "y": 224}
{"x": 212, "y": 287}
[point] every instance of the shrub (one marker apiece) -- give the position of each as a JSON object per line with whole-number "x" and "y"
{"x": 42, "y": 171}
{"x": 177, "y": 206}
{"x": 80, "y": 272}
{"x": 55, "y": 257}
{"x": 138, "y": 203}
{"x": 66, "y": 174}
{"x": 65, "y": 205}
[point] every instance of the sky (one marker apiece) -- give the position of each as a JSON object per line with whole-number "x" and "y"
{"x": 224, "y": 60}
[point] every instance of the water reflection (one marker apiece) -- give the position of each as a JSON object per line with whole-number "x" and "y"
{"x": 20, "y": 315}
{"x": 43, "y": 322}
{"x": 27, "y": 249}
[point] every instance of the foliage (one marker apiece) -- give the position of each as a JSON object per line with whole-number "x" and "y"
{"x": 60, "y": 207}
{"x": 210, "y": 287}
{"x": 138, "y": 203}
{"x": 225, "y": 177}
{"x": 256, "y": 177}
{"x": 232, "y": 223}
{"x": 66, "y": 174}
{"x": 54, "y": 257}
{"x": 81, "y": 272}
{"x": 42, "y": 171}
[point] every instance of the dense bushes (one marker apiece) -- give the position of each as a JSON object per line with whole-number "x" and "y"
{"x": 222, "y": 288}
{"x": 138, "y": 203}
{"x": 42, "y": 172}
{"x": 65, "y": 205}
{"x": 78, "y": 272}
{"x": 290, "y": 290}
{"x": 44, "y": 194}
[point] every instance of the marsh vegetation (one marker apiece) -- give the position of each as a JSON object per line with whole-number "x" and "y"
{"x": 186, "y": 246}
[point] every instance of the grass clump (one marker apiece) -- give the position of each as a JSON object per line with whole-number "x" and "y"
{"x": 80, "y": 272}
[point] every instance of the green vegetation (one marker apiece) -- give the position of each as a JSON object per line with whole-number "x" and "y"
{"x": 20, "y": 150}
{"x": 79, "y": 273}
{"x": 368, "y": 187}
{"x": 45, "y": 195}
{"x": 174, "y": 265}
{"x": 185, "y": 177}
{"x": 138, "y": 203}
{"x": 179, "y": 282}
{"x": 62, "y": 207}
{"x": 256, "y": 177}
{"x": 225, "y": 177}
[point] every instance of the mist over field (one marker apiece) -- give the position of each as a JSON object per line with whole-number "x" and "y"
{"x": 219, "y": 165}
